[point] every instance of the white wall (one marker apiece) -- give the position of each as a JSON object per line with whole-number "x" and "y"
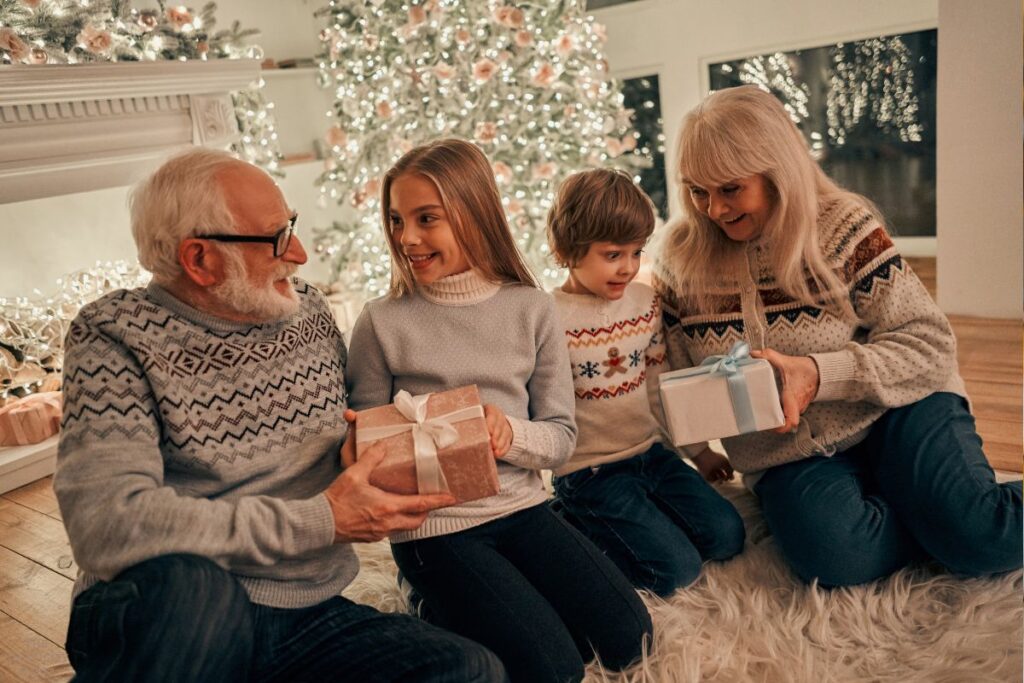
{"x": 980, "y": 158}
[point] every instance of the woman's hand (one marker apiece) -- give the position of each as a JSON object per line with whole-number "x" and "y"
{"x": 799, "y": 376}
{"x": 714, "y": 467}
{"x": 499, "y": 429}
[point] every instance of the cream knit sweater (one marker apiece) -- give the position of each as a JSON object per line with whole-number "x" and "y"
{"x": 901, "y": 351}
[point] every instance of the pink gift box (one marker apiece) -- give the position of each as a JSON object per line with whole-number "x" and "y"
{"x": 31, "y": 419}
{"x": 468, "y": 465}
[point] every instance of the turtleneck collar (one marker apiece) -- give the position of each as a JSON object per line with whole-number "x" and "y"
{"x": 462, "y": 289}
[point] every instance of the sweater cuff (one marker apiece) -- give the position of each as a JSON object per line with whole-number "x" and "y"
{"x": 518, "y": 447}
{"x": 835, "y": 370}
{"x": 315, "y": 523}
{"x": 692, "y": 450}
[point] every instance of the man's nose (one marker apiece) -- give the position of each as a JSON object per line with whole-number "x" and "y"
{"x": 295, "y": 253}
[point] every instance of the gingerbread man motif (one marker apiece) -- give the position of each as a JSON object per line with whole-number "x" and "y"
{"x": 614, "y": 362}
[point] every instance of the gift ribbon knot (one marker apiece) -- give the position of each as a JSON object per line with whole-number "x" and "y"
{"x": 428, "y": 435}
{"x": 729, "y": 365}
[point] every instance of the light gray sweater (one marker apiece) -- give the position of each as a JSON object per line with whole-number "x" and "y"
{"x": 185, "y": 433}
{"x": 464, "y": 330}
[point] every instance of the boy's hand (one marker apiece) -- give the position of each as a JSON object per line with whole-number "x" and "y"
{"x": 499, "y": 429}
{"x": 714, "y": 467}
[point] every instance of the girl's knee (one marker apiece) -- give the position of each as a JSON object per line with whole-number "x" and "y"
{"x": 728, "y": 538}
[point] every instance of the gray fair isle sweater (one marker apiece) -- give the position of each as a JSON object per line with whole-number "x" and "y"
{"x": 901, "y": 350}
{"x": 464, "y": 330}
{"x": 185, "y": 433}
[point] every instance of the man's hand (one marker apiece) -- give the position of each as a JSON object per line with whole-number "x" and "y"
{"x": 364, "y": 513}
{"x": 348, "y": 449}
{"x": 799, "y": 375}
{"x": 499, "y": 429}
{"x": 714, "y": 467}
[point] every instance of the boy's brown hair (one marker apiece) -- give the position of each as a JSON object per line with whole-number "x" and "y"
{"x": 600, "y": 205}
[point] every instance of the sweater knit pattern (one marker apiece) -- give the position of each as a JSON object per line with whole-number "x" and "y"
{"x": 186, "y": 433}
{"x": 901, "y": 349}
{"x": 464, "y": 330}
{"x": 616, "y": 351}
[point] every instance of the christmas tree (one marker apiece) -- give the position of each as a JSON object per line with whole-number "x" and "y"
{"x": 527, "y": 82}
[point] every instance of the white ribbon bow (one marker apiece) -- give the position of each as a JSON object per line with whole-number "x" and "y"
{"x": 428, "y": 435}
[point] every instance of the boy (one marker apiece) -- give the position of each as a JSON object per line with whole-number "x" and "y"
{"x": 625, "y": 487}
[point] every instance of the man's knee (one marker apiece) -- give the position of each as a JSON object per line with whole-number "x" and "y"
{"x": 185, "y": 582}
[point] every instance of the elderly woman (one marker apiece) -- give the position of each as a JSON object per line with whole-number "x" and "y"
{"x": 878, "y": 463}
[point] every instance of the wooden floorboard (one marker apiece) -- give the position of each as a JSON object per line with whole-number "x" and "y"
{"x": 27, "y": 657}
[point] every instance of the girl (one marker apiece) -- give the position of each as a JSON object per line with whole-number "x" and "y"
{"x": 878, "y": 463}
{"x": 464, "y": 309}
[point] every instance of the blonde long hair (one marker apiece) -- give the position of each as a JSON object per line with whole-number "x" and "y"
{"x": 736, "y": 133}
{"x": 465, "y": 181}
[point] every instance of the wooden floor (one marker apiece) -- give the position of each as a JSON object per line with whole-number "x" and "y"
{"x": 36, "y": 568}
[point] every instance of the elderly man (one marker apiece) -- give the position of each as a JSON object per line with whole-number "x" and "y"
{"x": 199, "y": 472}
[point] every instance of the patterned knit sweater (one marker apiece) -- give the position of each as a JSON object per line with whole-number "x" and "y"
{"x": 464, "y": 330}
{"x": 616, "y": 351}
{"x": 185, "y": 433}
{"x": 902, "y": 350}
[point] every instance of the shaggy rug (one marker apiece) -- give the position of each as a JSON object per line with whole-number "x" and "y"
{"x": 750, "y": 619}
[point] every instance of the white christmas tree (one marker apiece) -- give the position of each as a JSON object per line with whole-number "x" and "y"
{"x": 527, "y": 82}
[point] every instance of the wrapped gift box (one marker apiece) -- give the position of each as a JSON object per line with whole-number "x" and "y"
{"x": 31, "y": 419}
{"x": 700, "y": 404}
{"x": 467, "y": 465}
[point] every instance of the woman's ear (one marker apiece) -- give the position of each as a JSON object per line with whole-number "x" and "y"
{"x": 202, "y": 265}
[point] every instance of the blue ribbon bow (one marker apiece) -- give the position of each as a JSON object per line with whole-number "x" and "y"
{"x": 729, "y": 366}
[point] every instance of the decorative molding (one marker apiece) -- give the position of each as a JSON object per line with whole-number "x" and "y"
{"x": 66, "y": 129}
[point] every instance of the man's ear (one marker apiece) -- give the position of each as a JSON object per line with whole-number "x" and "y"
{"x": 202, "y": 265}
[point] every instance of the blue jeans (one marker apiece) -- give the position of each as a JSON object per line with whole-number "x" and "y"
{"x": 532, "y": 589}
{"x": 654, "y": 516}
{"x": 917, "y": 487}
{"x": 183, "y": 618}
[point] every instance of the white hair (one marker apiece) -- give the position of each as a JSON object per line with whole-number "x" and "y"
{"x": 180, "y": 199}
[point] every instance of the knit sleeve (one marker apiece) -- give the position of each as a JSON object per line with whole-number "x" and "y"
{"x": 547, "y": 439}
{"x": 368, "y": 378}
{"x": 909, "y": 351}
{"x": 673, "y": 357}
{"x": 110, "y": 478}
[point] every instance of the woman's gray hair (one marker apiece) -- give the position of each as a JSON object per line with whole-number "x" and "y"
{"x": 180, "y": 199}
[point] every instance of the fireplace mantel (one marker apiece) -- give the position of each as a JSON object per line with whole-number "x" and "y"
{"x": 74, "y": 128}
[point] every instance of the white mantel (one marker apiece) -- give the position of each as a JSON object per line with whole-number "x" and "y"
{"x": 74, "y": 128}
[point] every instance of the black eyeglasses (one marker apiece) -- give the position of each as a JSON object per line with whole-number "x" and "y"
{"x": 280, "y": 239}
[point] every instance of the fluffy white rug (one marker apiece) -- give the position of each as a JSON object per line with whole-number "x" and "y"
{"x": 750, "y": 619}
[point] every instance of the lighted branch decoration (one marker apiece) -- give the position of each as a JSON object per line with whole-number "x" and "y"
{"x": 528, "y": 82}
{"x": 81, "y": 31}
{"x": 872, "y": 82}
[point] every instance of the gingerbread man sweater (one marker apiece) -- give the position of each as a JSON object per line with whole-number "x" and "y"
{"x": 616, "y": 351}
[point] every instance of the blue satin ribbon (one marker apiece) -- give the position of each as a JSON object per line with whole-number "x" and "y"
{"x": 729, "y": 366}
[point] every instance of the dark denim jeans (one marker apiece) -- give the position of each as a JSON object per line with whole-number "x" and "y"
{"x": 183, "y": 618}
{"x": 654, "y": 516}
{"x": 918, "y": 487}
{"x": 532, "y": 589}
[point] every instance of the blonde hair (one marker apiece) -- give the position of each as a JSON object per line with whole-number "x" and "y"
{"x": 180, "y": 199}
{"x": 465, "y": 181}
{"x": 736, "y": 133}
{"x": 601, "y": 205}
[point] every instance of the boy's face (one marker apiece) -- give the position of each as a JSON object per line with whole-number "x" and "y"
{"x": 605, "y": 270}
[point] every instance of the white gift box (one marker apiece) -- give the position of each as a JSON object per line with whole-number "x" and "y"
{"x": 700, "y": 405}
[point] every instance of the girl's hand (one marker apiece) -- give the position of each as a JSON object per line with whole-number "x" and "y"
{"x": 499, "y": 429}
{"x": 799, "y": 375}
{"x": 348, "y": 449}
{"x": 714, "y": 467}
